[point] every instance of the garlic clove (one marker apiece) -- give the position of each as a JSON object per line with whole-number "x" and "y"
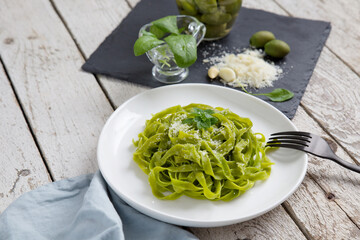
{"x": 213, "y": 72}
{"x": 227, "y": 74}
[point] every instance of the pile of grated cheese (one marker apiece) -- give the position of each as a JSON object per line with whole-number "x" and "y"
{"x": 250, "y": 68}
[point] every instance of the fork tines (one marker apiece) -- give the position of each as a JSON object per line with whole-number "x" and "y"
{"x": 292, "y": 133}
{"x": 291, "y": 139}
{"x": 309, "y": 143}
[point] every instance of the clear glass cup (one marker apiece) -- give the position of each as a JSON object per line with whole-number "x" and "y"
{"x": 217, "y": 15}
{"x": 166, "y": 70}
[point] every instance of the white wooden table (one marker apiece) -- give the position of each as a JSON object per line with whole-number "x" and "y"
{"x": 51, "y": 113}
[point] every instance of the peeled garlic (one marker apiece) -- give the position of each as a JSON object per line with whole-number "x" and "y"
{"x": 227, "y": 74}
{"x": 213, "y": 72}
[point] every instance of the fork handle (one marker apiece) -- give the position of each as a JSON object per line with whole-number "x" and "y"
{"x": 345, "y": 164}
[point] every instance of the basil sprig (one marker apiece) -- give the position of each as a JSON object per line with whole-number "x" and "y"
{"x": 201, "y": 118}
{"x": 182, "y": 46}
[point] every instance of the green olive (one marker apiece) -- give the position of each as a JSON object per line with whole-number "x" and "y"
{"x": 206, "y": 6}
{"x": 189, "y": 7}
{"x": 215, "y": 31}
{"x": 259, "y": 39}
{"x": 232, "y": 21}
{"x": 231, "y": 6}
{"x": 277, "y": 48}
{"x": 217, "y": 18}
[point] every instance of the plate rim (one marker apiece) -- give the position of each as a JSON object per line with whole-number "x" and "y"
{"x": 184, "y": 221}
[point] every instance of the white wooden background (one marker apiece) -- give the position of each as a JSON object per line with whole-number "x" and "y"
{"x": 51, "y": 113}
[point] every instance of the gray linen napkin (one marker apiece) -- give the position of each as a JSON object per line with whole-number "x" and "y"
{"x": 80, "y": 208}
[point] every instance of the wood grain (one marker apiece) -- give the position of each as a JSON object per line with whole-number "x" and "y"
{"x": 339, "y": 185}
{"x": 333, "y": 98}
{"x": 22, "y": 168}
{"x": 275, "y": 224}
{"x": 318, "y": 216}
{"x": 65, "y": 107}
{"x": 345, "y": 20}
{"x": 96, "y": 20}
{"x": 133, "y": 2}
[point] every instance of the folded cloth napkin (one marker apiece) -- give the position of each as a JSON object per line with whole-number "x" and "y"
{"x": 83, "y": 207}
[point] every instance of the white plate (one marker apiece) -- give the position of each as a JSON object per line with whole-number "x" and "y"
{"x": 115, "y": 151}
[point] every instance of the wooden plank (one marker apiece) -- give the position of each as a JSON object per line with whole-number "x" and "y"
{"x": 333, "y": 98}
{"x": 318, "y": 217}
{"x": 104, "y": 16}
{"x": 340, "y": 185}
{"x": 66, "y": 108}
{"x": 22, "y": 168}
{"x": 275, "y": 224}
{"x": 90, "y": 26}
{"x": 133, "y": 2}
{"x": 345, "y": 20}
{"x": 317, "y": 209}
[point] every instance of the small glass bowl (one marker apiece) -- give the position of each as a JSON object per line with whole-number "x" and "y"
{"x": 166, "y": 70}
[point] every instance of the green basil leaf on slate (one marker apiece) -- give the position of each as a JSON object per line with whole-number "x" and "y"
{"x": 280, "y": 95}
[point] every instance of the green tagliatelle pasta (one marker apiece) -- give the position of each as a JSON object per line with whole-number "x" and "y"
{"x": 217, "y": 163}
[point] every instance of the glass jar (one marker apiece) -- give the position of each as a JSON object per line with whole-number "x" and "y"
{"x": 165, "y": 69}
{"x": 217, "y": 15}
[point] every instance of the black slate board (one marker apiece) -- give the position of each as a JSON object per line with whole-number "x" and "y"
{"x": 115, "y": 58}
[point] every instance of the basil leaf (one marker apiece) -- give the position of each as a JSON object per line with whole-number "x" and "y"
{"x": 196, "y": 110}
{"x": 201, "y": 118}
{"x": 188, "y": 121}
{"x": 156, "y": 31}
{"x": 213, "y": 121}
{"x": 209, "y": 111}
{"x": 167, "y": 24}
{"x": 145, "y": 43}
{"x": 146, "y": 33}
{"x": 181, "y": 30}
{"x": 203, "y": 124}
{"x": 279, "y": 95}
{"x": 183, "y": 48}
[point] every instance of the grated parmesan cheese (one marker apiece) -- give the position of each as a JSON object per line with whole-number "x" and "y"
{"x": 178, "y": 126}
{"x": 250, "y": 68}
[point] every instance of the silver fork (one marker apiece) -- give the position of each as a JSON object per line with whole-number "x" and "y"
{"x": 309, "y": 143}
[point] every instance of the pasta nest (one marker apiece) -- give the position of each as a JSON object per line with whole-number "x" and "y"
{"x": 218, "y": 163}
